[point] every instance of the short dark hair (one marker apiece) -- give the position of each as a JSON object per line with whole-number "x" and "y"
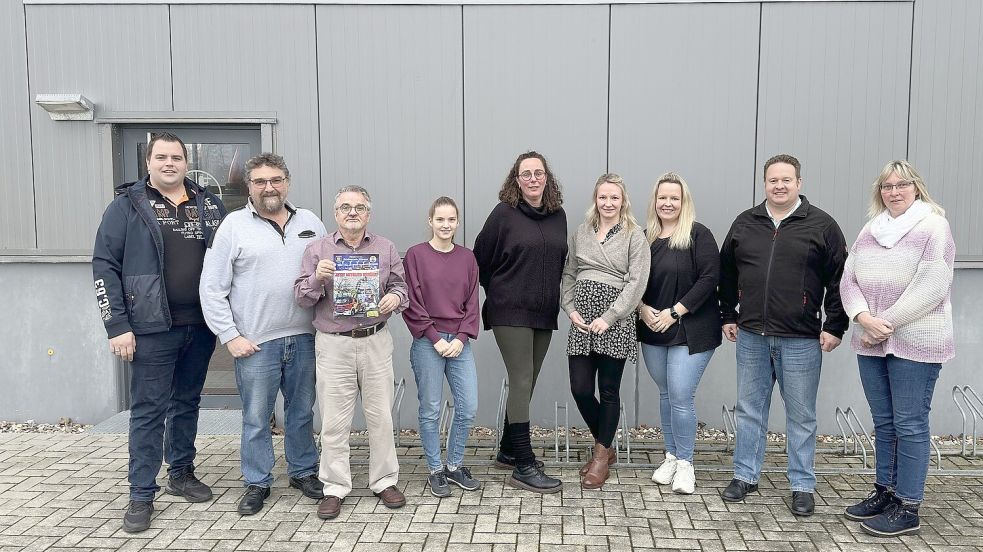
{"x": 784, "y": 158}
{"x": 165, "y": 137}
{"x": 266, "y": 159}
{"x": 511, "y": 194}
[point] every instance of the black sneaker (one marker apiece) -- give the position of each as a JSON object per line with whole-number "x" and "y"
{"x": 462, "y": 478}
{"x": 875, "y": 504}
{"x": 896, "y": 520}
{"x": 507, "y": 462}
{"x": 310, "y": 485}
{"x": 188, "y": 486}
{"x": 137, "y": 516}
{"x": 438, "y": 484}
{"x": 252, "y": 501}
{"x": 531, "y": 478}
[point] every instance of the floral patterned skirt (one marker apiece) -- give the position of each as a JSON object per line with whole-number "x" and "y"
{"x": 592, "y": 299}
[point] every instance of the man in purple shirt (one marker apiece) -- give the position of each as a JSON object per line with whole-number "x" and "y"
{"x": 354, "y": 279}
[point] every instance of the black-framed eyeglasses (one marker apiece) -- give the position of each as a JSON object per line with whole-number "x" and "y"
{"x": 902, "y": 186}
{"x": 526, "y": 176}
{"x": 276, "y": 181}
{"x": 346, "y": 208}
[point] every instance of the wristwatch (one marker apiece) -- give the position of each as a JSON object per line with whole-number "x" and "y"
{"x": 672, "y": 312}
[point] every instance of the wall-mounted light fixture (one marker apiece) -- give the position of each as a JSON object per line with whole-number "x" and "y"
{"x": 66, "y": 107}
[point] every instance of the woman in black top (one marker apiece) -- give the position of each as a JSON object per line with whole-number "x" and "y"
{"x": 679, "y": 324}
{"x": 520, "y": 253}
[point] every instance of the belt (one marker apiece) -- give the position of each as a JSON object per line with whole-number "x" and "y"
{"x": 362, "y": 332}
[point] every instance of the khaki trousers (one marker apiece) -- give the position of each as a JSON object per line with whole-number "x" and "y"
{"x": 346, "y": 366}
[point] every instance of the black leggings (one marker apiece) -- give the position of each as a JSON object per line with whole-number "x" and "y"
{"x": 601, "y": 416}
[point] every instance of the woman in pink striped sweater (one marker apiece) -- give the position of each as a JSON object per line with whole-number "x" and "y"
{"x": 896, "y": 287}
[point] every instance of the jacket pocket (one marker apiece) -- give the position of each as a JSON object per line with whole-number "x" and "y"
{"x": 143, "y": 298}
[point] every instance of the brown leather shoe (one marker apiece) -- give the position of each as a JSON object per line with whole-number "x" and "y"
{"x": 597, "y": 472}
{"x": 612, "y": 460}
{"x": 329, "y": 507}
{"x": 392, "y": 497}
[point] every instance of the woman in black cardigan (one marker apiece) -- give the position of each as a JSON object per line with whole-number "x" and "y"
{"x": 679, "y": 320}
{"x": 520, "y": 253}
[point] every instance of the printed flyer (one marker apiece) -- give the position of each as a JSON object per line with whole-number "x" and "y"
{"x": 356, "y": 285}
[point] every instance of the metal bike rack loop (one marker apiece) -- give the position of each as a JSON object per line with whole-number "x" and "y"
{"x": 445, "y": 422}
{"x": 966, "y": 392}
{"x": 556, "y": 430}
{"x": 858, "y": 432}
{"x": 399, "y": 389}
{"x": 500, "y": 415}
{"x": 625, "y": 436}
{"x": 730, "y": 425}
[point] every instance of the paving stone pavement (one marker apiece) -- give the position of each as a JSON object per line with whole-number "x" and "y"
{"x": 68, "y": 492}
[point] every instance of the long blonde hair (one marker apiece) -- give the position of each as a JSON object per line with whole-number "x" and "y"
{"x": 907, "y": 172}
{"x": 681, "y": 237}
{"x": 626, "y": 218}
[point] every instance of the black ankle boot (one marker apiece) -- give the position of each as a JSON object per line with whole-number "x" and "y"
{"x": 875, "y": 504}
{"x": 527, "y": 473}
{"x": 899, "y": 518}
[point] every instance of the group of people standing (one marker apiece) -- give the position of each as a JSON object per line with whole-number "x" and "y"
{"x": 304, "y": 312}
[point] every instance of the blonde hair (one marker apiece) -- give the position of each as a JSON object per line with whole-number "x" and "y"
{"x": 681, "y": 237}
{"x": 626, "y": 218}
{"x": 905, "y": 171}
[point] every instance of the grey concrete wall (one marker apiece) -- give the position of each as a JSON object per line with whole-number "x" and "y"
{"x": 418, "y": 101}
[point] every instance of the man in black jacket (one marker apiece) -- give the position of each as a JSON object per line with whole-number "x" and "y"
{"x": 147, "y": 264}
{"x": 781, "y": 263}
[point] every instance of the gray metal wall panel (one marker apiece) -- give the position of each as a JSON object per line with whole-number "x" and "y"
{"x": 535, "y": 77}
{"x": 683, "y": 99}
{"x": 56, "y": 312}
{"x": 946, "y": 140}
{"x": 391, "y": 110}
{"x": 223, "y": 61}
{"x": 118, "y": 57}
{"x": 17, "y": 185}
{"x": 833, "y": 92}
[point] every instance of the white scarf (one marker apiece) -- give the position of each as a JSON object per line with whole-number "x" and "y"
{"x": 889, "y": 231}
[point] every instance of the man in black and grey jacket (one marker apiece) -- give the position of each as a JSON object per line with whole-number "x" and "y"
{"x": 781, "y": 264}
{"x": 147, "y": 264}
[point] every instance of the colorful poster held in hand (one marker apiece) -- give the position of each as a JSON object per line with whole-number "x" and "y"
{"x": 356, "y": 285}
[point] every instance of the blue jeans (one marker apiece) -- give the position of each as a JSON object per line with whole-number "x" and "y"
{"x": 900, "y": 392}
{"x": 677, "y": 373}
{"x": 166, "y": 378}
{"x": 430, "y": 368}
{"x": 285, "y": 364}
{"x": 795, "y": 363}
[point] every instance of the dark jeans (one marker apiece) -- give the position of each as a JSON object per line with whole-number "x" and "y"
{"x": 168, "y": 373}
{"x": 601, "y": 415}
{"x": 900, "y": 392}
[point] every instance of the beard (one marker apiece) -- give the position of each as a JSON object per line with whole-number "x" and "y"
{"x": 271, "y": 204}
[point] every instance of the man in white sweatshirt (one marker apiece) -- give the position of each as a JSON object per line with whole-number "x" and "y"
{"x": 247, "y": 299}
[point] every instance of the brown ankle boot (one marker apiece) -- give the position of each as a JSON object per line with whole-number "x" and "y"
{"x": 597, "y": 471}
{"x": 612, "y": 459}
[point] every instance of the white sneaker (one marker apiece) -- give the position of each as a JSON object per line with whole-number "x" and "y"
{"x": 663, "y": 474}
{"x": 684, "y": 482}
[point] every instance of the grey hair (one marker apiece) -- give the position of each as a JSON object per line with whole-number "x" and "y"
{"x": 266, "y": 159}
{"x": 356, "y": 189}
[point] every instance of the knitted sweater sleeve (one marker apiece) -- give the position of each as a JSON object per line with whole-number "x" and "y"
{"x": 569, "y": 280}
{"x": 639, "y": 264}
{"x": 933, "y": 277}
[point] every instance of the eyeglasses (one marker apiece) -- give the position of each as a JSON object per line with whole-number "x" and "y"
{"x": 902, "y": 186}
{"x": 345, "y": 208}
{"x": 276, "y": 181}
{"x": 526, "y": 176}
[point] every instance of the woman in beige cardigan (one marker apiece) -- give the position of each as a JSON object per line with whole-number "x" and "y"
{"x": 603, "y": 280}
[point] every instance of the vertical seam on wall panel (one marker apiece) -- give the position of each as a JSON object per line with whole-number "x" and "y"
{"x": 911, "y": 69}
{"x": 757, "y": 108}
{"x": 607, "y": 159}
{"x": 170, "y": 51}
{"x": 30, "y": 130}
{"x": 464, "y": 143}
{"x": 317, "y": 93}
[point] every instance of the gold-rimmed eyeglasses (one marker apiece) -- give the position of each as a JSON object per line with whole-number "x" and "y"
{"x": 526, "y": 176}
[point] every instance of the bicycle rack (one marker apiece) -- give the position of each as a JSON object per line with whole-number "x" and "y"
{"x": 500, "y": 416}
{"x": 446, "y": 420}
{"x": 730, "y": 425}
{"x": 858, "y": 432}
{"x": 938, "y": 454}
{"x": 977, "y": 412}
{"x": 556, "y": 429}
{"x": 624, "y": 436}
{"x": 399, "y": 389}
